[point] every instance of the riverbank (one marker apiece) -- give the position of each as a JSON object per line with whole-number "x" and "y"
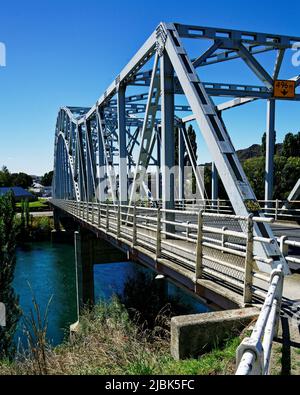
{"x": 37, "y": 228}
{"x": 109, "y": 342}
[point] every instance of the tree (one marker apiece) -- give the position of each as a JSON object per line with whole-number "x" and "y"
{"x": 290, "y": 175}
{"x": 21, "y": 180}
{"x": 5, "y": 177}
{"x": 264, "y": 144}
{"x": 255, "y": 172}
{"x": 7, "y": 268}
{"x": 47, "y": 179}
{"x": 291, "y": 145}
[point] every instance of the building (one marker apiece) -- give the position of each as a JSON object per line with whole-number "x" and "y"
{"x": 19, "y": 193}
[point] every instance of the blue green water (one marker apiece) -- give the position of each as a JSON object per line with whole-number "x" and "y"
{"x": 48, "y": 271}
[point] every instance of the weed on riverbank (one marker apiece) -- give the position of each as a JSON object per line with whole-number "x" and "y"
{"x": 109, "y": 342}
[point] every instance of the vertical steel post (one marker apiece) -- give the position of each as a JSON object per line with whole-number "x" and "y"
{"x": 158, "y": 153}
{"x": 167, "y": 138}
{"x": 134, "y": 228}
{"x": 158, "y": 234}
{"x": 99, "y": 215}
{"x": 199, "y": 247}
{"x": 249, "y": 262}
{"x": 270, "y": 150}
{"x": 123, "y": 193}
{"x": 214, "y": 184}
{"x": 101, "y": 163}
{"x": 119, "y": 222}
{"x": 181, "y": 150}
{"x": 107, "y": 218}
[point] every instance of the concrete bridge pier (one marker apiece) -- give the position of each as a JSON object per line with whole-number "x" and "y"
{"x": 89, "y": 251}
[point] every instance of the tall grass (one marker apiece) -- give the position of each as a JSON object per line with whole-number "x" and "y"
{"x": 110, "y": 342}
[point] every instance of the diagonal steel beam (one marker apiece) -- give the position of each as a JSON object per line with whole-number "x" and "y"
{"x": 278, "y": 63}
{"x": 201, "y": 59}
{"x": 147, "y": 131}
{"x": 255, "y": 66}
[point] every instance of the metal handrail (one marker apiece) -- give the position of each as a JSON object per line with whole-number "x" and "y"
{"x": 253, "y": 354}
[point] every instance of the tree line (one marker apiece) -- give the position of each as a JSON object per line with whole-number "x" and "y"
{"x": 286, "y": 167}
{"x": 21, "y": 179}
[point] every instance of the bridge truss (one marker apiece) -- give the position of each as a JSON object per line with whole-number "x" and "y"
{"x": 104, "y": 152}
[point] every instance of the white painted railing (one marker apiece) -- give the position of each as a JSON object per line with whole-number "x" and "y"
{"x": 253, "y": 354}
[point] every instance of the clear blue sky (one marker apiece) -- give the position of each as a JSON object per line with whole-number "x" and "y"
{"x": 67, "y": 52}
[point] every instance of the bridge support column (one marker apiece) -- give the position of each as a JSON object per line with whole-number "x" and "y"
{"x": 181, "y": 150}
{"x": 270, "y": 150}
{"x": 167, "y": 138}
{"x": 56, "y": 219}
{"x": 123, "y": 184}
{"x": 84, "y": 261}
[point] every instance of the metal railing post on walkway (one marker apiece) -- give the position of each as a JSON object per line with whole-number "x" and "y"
{"x": 107, "y": 218}
{"x": 99, "y": 215}
{"x": 134, "y": 228}
{"x": 158, "y": 234}
{"x": 119, "y": 222}
{"x": 199, "y": 247}
{"x": 248, "y": 280}
{"x": 93, "y": 213}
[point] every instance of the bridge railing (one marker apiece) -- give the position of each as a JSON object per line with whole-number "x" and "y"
{"x": 281, "y": 209}
{"x": 284, "y": 244}
{"x": 277, "y": 209}
{"x": 216, "y": 246}
{"x": 253, "y": 354}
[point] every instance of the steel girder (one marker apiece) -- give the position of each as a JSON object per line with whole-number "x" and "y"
{"x": 120, "y": 131}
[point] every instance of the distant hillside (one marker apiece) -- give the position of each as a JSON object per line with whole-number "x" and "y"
{"x": 255, "y": 151}
{"x": 251, "y": 152}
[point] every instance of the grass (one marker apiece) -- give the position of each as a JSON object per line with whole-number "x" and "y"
{"x": 37, "y": 205}
{"x": 109, "y": 342}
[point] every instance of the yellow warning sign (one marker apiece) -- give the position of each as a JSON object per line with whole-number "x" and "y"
{"x": 284, "y": 89}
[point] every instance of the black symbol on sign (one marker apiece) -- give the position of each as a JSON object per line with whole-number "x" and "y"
{"x": 284, "y": 92}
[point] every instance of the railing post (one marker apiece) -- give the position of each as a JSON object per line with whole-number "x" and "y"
{"x": 188, "y": 229}
{"x": 276, "y": 209}
{"x": 92, "y": 213}
{"x": 99, "y": 215}
{"x": 249, "y": 262}
{"x": 107, "y": 218}
{"x": 278, "y": 294}
{"x": 134, "y": 229}
{"x": 284, "y": 248}
{"x": 224, "y": 237}
{"x": 158, "y": 234}
{"x": 119, "y": 222}
{"x": 199, "y": 248}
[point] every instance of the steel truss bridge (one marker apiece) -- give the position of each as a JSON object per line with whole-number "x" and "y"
{"x": 102, "y": 156}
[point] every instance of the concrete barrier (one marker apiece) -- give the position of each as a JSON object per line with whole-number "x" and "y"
{"x": 192, "y": 335}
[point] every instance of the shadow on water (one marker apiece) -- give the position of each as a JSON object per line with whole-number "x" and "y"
{"x": 142, "y": 293}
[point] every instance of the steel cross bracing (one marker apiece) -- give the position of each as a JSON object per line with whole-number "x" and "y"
{"x": 102, "y": 152}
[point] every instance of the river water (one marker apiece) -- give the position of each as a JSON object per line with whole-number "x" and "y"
{"x": 47, "y": 270}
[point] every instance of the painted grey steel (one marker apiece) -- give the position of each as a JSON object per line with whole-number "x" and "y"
{"x": 270, "y": 150}
{"x": 167, "y": 137}
{"x": 215, "y": 183}
{"x": 90, "y": 144}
